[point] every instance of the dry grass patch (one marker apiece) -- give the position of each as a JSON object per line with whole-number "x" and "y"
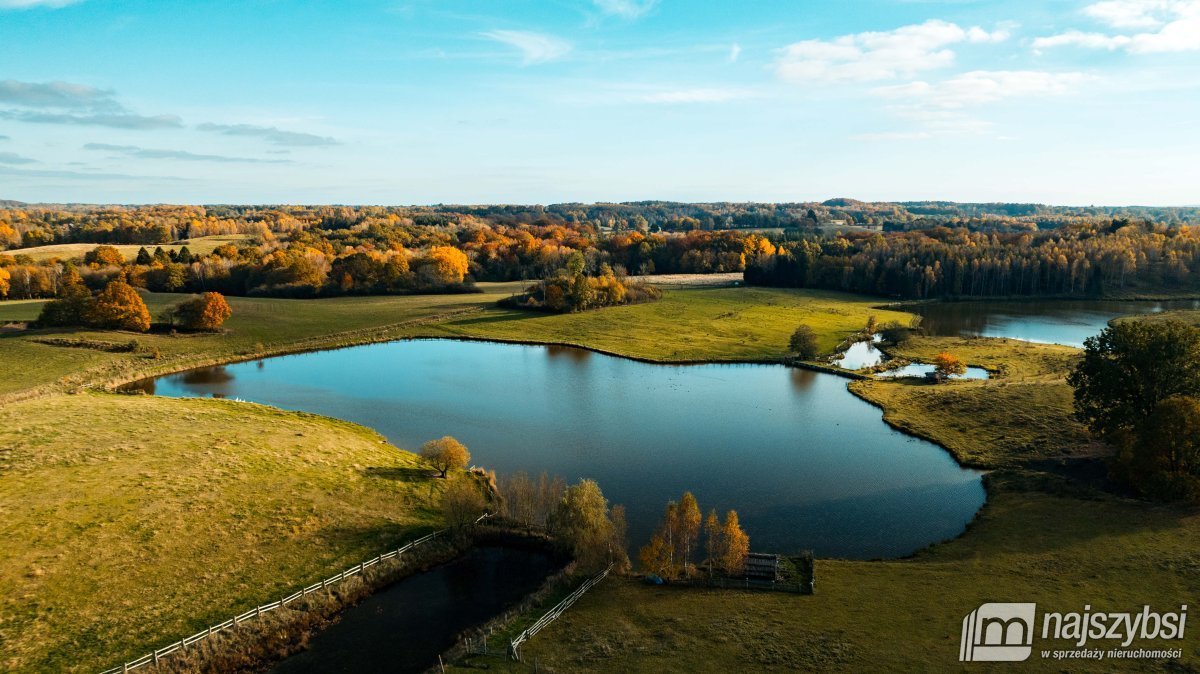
{"x": 134, "y": 520}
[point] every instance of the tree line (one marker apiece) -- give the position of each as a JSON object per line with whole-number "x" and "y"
{"x": 1075, "y": 261}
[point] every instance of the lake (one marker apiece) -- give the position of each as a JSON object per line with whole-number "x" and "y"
{"x": 806, "y": 464}
{"x": 1066, "y": 322}
{"x": 404, "y": 627}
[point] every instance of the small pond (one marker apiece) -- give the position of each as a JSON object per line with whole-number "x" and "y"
{"x": 406, "y": 626}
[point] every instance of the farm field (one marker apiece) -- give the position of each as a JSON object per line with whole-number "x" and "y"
{"x": 69, "y": 251}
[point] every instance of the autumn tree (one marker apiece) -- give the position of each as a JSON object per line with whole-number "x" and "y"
{"x": 947, "y": 364}
{"x": 207, "y": 312}
{"x": 582, "y": 521}
{"x": 443, "y": 266}
{"x": 4, "y": 285}
{"x": 445, "y": 453}
{"x": 119, "y": 307}
{"x": 872, "y": 325}
{"x": 803, "y": 343}
{"x": 70, "y": 307}
{"x": 735, "y": 546}
{"x": 462, "y": 502}
{"x": 687, "y": 529}
{"x": 104, "y": 256}
{"x": 655, "y": 557}
{"x": 714, "y": 544}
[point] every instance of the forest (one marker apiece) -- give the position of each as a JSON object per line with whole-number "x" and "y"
{"x": 1082, "y": 260}
{"x": 926, "y": 250}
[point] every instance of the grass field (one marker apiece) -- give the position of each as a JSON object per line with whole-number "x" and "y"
{"x": 129, "y": 521}
{"x": 70, "y": 251}
{"x": 711, "y": 324}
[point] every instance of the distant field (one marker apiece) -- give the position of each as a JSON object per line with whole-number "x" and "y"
{"x": 689, "y": 323}
{"x": 129, "y": 521}
{"x": 69, "y": 251}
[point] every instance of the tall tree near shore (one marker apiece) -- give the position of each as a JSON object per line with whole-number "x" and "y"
{"x": 445, "y": 453}
{"x": 736, "y": 545}
{"x": 1131, "y": 367}
{"x": 803, "y": 343}
{"x": 687, "y": 529}
{"x": 714, "y": 544}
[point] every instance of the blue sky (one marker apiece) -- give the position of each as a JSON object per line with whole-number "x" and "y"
{"x": 437, "y": 101}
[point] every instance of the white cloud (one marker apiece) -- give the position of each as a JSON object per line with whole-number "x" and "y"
{"x": 734, "y": 52}
{"x": 534, "y": 47}
{"x": 628, "y": 9}
{"x": 700, "y": 95}
{"x": 1077, "y": 38}
{"x": 983, "y": 86}
{"x": 1177, "y": 23}
{"x": 1129, "y": 13}
{"x": 29, "y": 4}
{"x": 864, "y": 57}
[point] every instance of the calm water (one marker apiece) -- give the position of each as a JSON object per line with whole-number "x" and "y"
{"x": 865, "y": 354}
{"x": 1051, "y": 322}
{"x": 406, "y": 626}
{"x": 806, "y": 464}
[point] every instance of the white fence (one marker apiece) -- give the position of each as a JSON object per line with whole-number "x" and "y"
{"x": 554, "y": 613}
{"x": 153, "y": 656}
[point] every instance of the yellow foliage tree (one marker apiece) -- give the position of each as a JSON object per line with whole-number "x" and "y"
{"x": 446, "y": 265}
{"x": 735, "y": 545}
{"x": 4, "y": 277}
{"x": 445, "y": 453}
{"x": 119, "y": 307}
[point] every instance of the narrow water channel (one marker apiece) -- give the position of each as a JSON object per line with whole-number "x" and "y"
{"x": 406, "y": 626}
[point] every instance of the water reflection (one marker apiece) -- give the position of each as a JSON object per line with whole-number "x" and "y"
{"x": 805, "y": 463}
{"x": 1066, "y": 322}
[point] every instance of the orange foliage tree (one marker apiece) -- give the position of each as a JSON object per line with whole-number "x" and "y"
{"x": 207, "y": 312}
{"x": 445, "y": 453}
{"x": 4, "y": 276}
{"x": 946, "y": 364}
{"x": 119, "y": 307}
